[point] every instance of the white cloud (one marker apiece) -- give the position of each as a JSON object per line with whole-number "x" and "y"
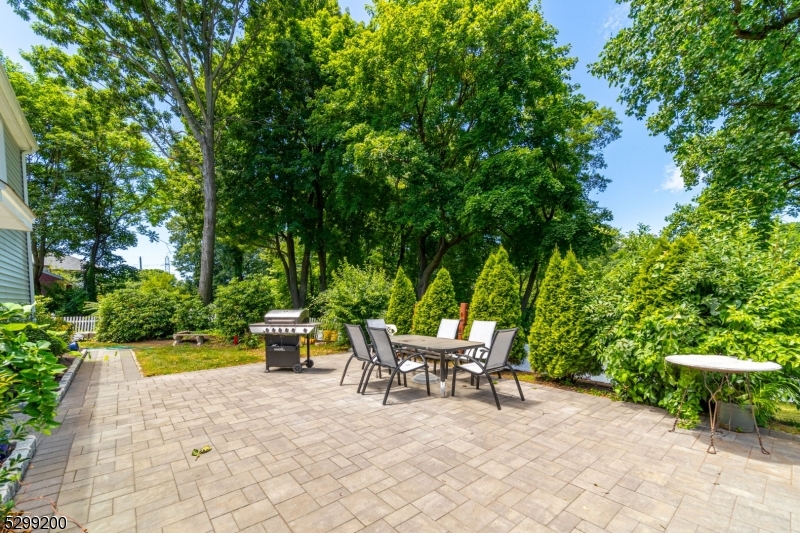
{"x": 673, "y": 181}
{"x": 616, "y": 19}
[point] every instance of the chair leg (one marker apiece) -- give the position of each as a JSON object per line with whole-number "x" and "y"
{"x": 499, "y": 376}
{"x": 405, "y": 380}
{"x": 472, "y": 379}
{"x": 369, "y": 373}
{"x": 477, "y": 382}
{"x": 363, "y": 375}
{"x": 427, "y": 383}
{"x": 491, "y": 384}
{"x": 398, "y": 380}
{"x": 345, "y": 369}
{"x": 453, "y": 389}
{"x": 521, "y": 397}
{"x": 389, "y": 386}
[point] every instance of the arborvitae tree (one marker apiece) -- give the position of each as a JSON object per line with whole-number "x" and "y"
{"x": 560, "y": 336}
{"x": 656, "y": 285}
{"x": 497, "y": 298}
{"x": 401, "y": 303}
{"x": 481, "y": 293}
{"x": 438, "y": 302}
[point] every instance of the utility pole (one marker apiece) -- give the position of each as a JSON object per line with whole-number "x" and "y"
{"x": 140, "y": 262}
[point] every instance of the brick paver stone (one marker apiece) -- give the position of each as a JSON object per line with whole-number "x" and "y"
{"x": 297, "y": 453}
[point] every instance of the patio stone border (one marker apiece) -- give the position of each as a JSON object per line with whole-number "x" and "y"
{"x": 26, "y": 448}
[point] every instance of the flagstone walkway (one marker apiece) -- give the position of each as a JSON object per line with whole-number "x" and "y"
{"x": 298, "y": 453}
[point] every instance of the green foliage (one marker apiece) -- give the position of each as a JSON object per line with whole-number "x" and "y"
{"x": 240, "y": 303}
{"x": 438, "y": 302}
{"x": 561, "y": 335}
{"x": 45, "y": 319}
{"x": 719, "y": 79}
{"x": 191, "y": 314}
{"x": 723, "y": 286}
{"x": 496, "y": 297}
{"x": 355, "y": 294}
{"x": 401, "y": 303}
{"x": 132, "y": 314}
{"x": 27, "y": 376}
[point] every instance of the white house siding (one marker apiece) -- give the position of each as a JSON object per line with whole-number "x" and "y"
{"x": 14, "y": 267}
{"x": 13, "y": 165}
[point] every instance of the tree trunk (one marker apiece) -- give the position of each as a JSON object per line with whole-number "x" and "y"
{"x": 304, "y": 271}
{"x": 526, "y": 298}
{"x": 322, "y": 259}
{"x": 37, "y": 252}
{"x": 206, "y": 287}
{"x": 290, "y": 265}
{"x": 426, "y": 267}
{"x": 90, "y": 274}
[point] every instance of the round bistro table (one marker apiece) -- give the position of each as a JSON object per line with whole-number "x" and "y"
{"x": 724, "y": 366}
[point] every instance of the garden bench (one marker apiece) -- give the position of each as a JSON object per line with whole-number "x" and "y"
{"x": 181, "y": 336}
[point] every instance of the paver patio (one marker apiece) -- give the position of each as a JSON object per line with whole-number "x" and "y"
{"x": 296, "y": 452}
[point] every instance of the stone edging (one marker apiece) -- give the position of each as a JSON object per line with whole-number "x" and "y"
{"x": 26, "y": 448}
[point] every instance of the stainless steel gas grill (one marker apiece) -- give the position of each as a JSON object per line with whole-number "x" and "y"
{"x": 282, "y": 329}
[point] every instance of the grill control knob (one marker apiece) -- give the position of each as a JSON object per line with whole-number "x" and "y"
{"x": 292, "y": 330}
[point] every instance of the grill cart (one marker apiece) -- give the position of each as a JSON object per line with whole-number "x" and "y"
{"x": 282, "y": 329}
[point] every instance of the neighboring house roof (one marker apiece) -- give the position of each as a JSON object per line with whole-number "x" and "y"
{"x": 13, "y": 117}
{"x": 68, "y": 262}
{"x": 48, "y": 277}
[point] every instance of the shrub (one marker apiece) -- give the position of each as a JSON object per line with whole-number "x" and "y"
{"x": 240, "y": 303}
{"x": 496, "y": 297}
{"x": 132, "y": 314}
{"x": 191, "y": 314}
{"x": 27, "y": 385}
{"x": 401, "y": 303}
{"x": 560, "y": 336}
{"x": 354, "y": 295}
{"x": 438, "y": 302}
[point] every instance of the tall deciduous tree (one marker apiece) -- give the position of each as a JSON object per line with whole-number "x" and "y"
{"x": 182, "y": 52}
{"x": 278, "y": 163}
{"x": 437, "y": 95}
{"x": 719, "y": 78}
{"x": 92, "y": 180}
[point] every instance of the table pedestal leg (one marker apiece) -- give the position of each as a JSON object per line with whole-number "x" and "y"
{"x": 712, "y": 414}
{"x": 753, "y": 411}
{"x": 443, "y": 375}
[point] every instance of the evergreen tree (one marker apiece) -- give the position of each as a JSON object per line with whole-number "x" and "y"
{"x": 438, "y": 302}
{"x": 401, "y": 303}
{"x": 560, "y": 336}
{"x": 497, "y": 298}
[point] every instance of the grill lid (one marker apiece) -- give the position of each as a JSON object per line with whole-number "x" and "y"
{"x": 286, "y": 316}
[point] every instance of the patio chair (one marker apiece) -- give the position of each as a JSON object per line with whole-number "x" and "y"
{"x": 361, "y": 351}
{"x": 481, "y": 331}
{"x": 448, "y": 329}
{"x": 386, "y": 357}
{"x": 381, "y": 323}
{"x": 495, "y": 361}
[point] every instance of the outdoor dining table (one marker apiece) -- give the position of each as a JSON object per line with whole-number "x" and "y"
{"x": 724, "y": 366}
{"x": 438, "y": 346}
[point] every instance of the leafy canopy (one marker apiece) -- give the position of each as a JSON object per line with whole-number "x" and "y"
{"x": 438, "y": 302}
{"x": 719, "y": 78}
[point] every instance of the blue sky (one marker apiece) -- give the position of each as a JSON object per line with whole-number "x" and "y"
{"x": 645, "y": 185}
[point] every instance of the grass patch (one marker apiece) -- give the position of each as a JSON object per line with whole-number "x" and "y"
{"x": 787, "y": 419}
{"x": 160, "y": 357}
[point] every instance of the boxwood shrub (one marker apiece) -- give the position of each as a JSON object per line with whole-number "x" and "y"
{"x": 132, "y": 314}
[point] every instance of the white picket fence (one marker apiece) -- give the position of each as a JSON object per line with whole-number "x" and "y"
{"x": 83, "y": 324}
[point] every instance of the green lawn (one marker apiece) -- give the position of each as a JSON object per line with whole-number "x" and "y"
{"x": 787, "y": 419}
{"x": 157, "y": 358}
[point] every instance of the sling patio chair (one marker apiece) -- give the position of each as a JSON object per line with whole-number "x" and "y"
{"x": 448, "y": 329}
{"x": 495, "y": 361}
{"x": 480, "y": 331}
{"x": 381, "y": 323}
{"x": 386, "y": 357}
{"x": 361, "y": 351}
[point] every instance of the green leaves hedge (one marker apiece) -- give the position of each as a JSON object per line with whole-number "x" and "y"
{"x": 354, "y": 295}
{"x": 240, "y": 303}
{"x": 133, "y": 314}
